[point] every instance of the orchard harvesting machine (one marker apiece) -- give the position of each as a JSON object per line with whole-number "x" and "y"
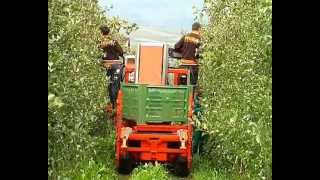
{"x": 154, "y": 112}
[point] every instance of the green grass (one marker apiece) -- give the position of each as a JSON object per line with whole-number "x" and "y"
{"x": 101, "y": 165}
{"x": 102, "y": 168}
{"x": 149, "y": 172}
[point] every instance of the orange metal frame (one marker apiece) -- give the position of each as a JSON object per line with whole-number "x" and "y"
{"x": 128, "y": 70}
{"x": 153, "y": 139}
{"x": 153, "y": 142}
{"x": 178, "y": 72}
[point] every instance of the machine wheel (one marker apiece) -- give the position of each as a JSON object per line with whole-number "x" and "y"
{"x": 181, "y": 167}
{"x": 126, "y": 165}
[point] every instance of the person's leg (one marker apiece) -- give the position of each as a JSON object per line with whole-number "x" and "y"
{"x": 113, "y": 96}
{"x": 195, "y": 75}
{"x": 122, "y": 73}
{"x": 191, "y": 75}
{"x": 110, "y": 92}
{"x": 108, "y": 84}
{"x": 117, "y": 83}
{"x": 110, "y": 73}
{"x": 115, "y": 87}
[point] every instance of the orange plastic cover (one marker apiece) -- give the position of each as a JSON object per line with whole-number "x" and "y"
{"x": 150, "y": 65}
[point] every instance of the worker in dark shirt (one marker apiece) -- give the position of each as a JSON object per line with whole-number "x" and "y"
{"x": 111, "y": 48}
{"x": 188, "y": 46}
{"x": 111, "y": 51}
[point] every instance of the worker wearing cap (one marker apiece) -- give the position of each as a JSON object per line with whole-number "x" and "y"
{"x": 188, "y": 46}
{"x": 111, "y": 51}
{"x": 111, "y": 48}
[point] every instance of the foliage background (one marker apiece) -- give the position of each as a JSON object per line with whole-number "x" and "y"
{"x": 236, "y": 78}
{"x": 78, "y": 131}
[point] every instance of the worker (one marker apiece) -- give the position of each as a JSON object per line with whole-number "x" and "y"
{"x": 189, "y": 46}
{"x": 111, "y": 51}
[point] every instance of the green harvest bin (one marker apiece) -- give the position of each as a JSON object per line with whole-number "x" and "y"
{"x": 146, "y": 103}
{"x": 131, "y": 101}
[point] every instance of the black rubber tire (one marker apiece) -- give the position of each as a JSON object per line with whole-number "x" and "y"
{"x": 126, "y": 165}
{"x": 181, "y": 167}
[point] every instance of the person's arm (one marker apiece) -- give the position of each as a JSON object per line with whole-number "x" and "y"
{"x": 103, "y": 44}
{"x": 179, "y": 44}
{"x": 119, "y": 50}
{"x": 198, "y": 44}
{"x": 199, "y": 49}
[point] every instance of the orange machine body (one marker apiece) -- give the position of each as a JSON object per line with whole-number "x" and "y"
{"x": 155, "y": 142}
